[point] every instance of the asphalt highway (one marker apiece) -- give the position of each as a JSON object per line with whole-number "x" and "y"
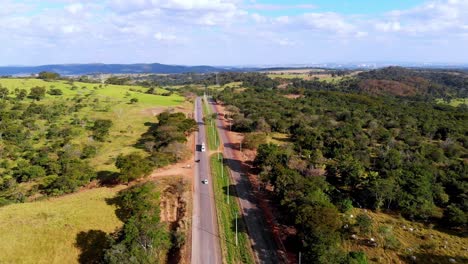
{"x": 205, "y": 236}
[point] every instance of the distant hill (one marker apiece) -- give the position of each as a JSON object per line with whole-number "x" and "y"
{"x": 80, "y": 69}
{"x": 409, "y": 82}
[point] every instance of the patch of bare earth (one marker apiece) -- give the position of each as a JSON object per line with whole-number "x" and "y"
{"x": 293, "y": 96}
{"x": 153, "y": 111}
{"x": 176, "y": 202}
{"x": 176, "y": 211}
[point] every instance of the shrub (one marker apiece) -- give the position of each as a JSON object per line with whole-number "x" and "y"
{"x": 253, "y": 140}
{"x": 345, "y": 205}
{"x": 355, "y": 257}
{"x": 364, "y": 223}
{"x": 454, "y": 216}
{"x": 55, "y": 91}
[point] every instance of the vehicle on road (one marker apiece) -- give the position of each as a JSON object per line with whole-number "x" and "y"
{"x": 203, "y": 148}
{"x": 205, "y": 181}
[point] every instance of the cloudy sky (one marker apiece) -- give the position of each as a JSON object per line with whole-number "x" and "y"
{"x": 232, "y": 32}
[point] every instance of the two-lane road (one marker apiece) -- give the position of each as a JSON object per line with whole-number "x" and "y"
{"x": 205, "y": 238}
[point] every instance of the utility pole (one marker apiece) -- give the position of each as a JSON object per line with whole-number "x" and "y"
{"x": 228, "y": 187}
{"x": 241, "y": 146}
{"x": 237, "y": 241}
{"x": 222, "y": 169}
{"x": 300, "y": 257}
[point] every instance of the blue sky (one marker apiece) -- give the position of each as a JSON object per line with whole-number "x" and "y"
{"x": 233, "y": 32}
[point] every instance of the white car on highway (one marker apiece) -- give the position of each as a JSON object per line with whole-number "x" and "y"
{"x": 202, "y": 148}
{"x": 205, "y": 181}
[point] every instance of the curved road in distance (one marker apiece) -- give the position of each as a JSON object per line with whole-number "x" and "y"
{"x": 205, "y": 236}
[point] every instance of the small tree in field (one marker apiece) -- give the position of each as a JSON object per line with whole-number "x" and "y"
{"x": 101, "y": 129}
{"x": 364, "y": 223}
{"x": 37, "y": 93}
{"x": 132, "y": 167}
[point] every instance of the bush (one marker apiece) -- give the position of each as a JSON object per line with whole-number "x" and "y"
{"x": 55, "y": 91}
{"x": 101, "y": 129}
{"x": 253, "y": 140}
{"x": 345, "y": 205}
{"x": 391, "y": 242}
{"x": 364, "y": 223}
{"x": 454, "y": 216}
{"x": 132, "y": 166}
{"x": 357, "y": 257}
{"x": 89, "y": 152}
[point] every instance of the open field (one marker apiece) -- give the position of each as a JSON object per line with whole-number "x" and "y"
{"x": 46, "y": 231}
{"x": 428, "y": 245}
{"x": 103, "y": 101}
{"x": 277, "y": 138}
{"x": 227, "y": 214}
{"x": 454, "y": 102}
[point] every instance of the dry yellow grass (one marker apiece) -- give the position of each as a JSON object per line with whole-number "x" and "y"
{"x": 46, "y": 231}
{"x": 428, "y": 245}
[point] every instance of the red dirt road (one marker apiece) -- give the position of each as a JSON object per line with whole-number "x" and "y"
{"x": 264, "y": 233}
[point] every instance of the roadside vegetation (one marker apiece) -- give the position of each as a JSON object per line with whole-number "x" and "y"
{"x": 227, "y": 210}
{"x": 210, "y": 122}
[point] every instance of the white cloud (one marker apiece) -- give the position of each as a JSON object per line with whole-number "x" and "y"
{"x": 433, "y": 17}
{"x": 165, "y": 37}
{"x": 111, "y": 26}
{"x": 388, "y": 26}
{"x": 68, "y": 29}
{"x": 328, "y": 22}
{"x": 74, "y": 8}
{"x": 270, "y": 7}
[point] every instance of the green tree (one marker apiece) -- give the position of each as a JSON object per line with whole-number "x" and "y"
{"x": 101, "y": 129}
{"x": 454, "y": 216}
{"x": 132, "y": 166}
{"x": 45, "y": 75}
{"x": 37, "y": 93}
{"x": 22, "y": 93}
{"x": 4, "y": 92}
{"x": 143, "y": 238}
{"x": 55, "y": 91}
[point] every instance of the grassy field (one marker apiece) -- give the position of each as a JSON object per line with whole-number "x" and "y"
{"x": 106, "y": 102}
{"x": 428, "y": 245}
{"x": 287, "y": 76}
{"x": 454, "y": 102}
{"x": 46, "y": 231}
{"x": 227, "y": 214}
{"x": 277, "y": 138}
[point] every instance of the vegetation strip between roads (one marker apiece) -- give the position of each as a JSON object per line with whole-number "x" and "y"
{"x": 210, "y": 121}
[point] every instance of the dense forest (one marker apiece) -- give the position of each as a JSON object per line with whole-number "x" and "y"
{"x": 351, "y": 148}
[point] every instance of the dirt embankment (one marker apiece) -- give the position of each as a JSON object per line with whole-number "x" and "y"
{"x": 175, "y": 205}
